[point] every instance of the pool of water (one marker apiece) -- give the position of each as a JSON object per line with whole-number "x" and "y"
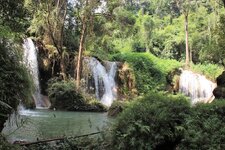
{"x": 30, "y": 125}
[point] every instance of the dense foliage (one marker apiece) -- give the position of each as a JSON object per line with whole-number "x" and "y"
{"x": 150, "y": 71}
{"x": 15, "y": 82}
{"x": 154, "y": 122}
{"x": 204, "y": 127}
{"x": 148, "y": 35}
{"x": 159, "y": 121}
{"x": 132, "y": 26}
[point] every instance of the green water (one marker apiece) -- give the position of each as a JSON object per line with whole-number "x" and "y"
{"x": 45, "y": 124}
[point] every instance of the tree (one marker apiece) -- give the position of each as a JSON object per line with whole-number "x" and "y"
{"x": 49, "y": 20}
{"x": 15, "y": 82}
{"x": 214, "y": 51}
{"x": 87, "y": 13}
{"x": 185, "y": 7}
{"x": 223, "y": 2}
{"x": 13, "y": 15}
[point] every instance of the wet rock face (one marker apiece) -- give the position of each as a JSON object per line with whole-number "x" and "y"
{"x": 197, "y": 87}
{"x": 221, "y": 80}
{"x": 98, "y": 77}
{"x": 126, "y": 82}
{"x": 219, "y": 91}
{"x": 173, "y": 81}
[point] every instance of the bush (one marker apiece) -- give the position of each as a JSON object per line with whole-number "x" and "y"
{"x": 205, "y": 127}
{"x": 63, "y": 95}
{"x": 153, "y": 122}
{"x": 160, "y": 121}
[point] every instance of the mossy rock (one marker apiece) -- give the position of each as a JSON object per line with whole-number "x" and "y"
{"x": 95, "y": 106}
{"x": 116, "y": 108}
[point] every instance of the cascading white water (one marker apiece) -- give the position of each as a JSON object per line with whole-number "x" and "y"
{"x": 106, "y": 78}
{"x": 30, "y": 60}
{"x": 197, "y": 87}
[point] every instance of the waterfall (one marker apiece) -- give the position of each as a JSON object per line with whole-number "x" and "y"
{"x": 30, "y": 60}
{"x": 105, "y": 86}
{"x": 197, "y": 87}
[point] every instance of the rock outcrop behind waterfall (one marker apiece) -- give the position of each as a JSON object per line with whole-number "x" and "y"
{"x": 219, "y": 91}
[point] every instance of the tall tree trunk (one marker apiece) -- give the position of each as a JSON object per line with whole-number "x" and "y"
{"x": 191, "y": 52}
{"x": 79, "y": 59}
{"x": 63, "y": 67}
{"x": 56, "y": 30}
{"x": 186, "y": 39}
{"x": 223, "y": 3}
{"x": 61, "y": 37}
{"x": 53, "y": 67}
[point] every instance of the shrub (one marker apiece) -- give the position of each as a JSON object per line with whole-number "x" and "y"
{"x": 204, "y": 127}
{"x": 153, "y": 122}
{"x": 63, "y": 95}
{"x": 160, "y": 121}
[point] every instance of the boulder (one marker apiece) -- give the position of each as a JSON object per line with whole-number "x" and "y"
{"x": 219, "y": 91}
{"x": 221, "y": 80}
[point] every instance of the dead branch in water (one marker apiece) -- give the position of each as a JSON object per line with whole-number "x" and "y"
{"x": 56, "y": 139}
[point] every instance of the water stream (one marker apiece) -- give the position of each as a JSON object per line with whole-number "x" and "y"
{"x": 30, "y": 60}
{"x": 104, "y": 78}
{"x": 197, "y": 87}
